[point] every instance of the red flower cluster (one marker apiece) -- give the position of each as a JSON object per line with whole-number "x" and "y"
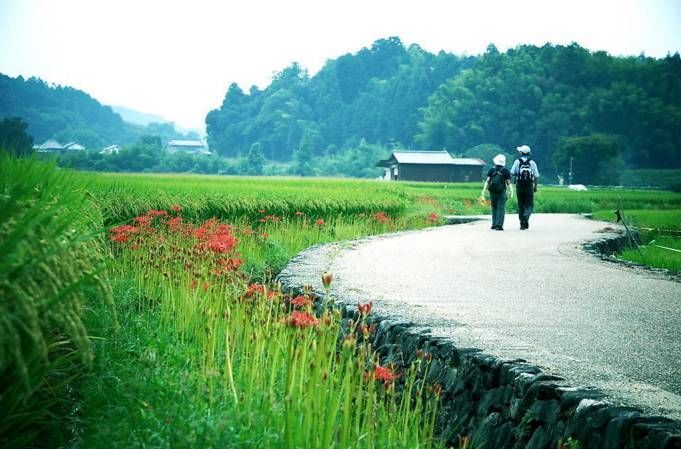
{"x": 215, "y": 237}
{"x": 121, "y": 234}
{"x": 301, "y": 301}
{"x": 381, "y": 217}
{"x": 365, "y": 309}
{"x": 254, "y": 290}
{"x": 433, "y": 218}
{"x": 319, "y": 222}
{"x": 302, "y": 319}
{"x": 383, "y": 374}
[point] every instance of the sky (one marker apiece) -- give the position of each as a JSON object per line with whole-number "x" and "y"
{"x": 176, "y": 58}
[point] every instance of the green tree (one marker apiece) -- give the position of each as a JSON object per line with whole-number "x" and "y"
{"x": 596, "y": 159}
{"x": 255, "y": 161}
{"x": 14, "y": 138}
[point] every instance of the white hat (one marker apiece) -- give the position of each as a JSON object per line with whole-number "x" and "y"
{"x": 524, "y": 149}
{"x": 499, "y": 159}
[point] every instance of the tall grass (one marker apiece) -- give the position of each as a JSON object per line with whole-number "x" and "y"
{"x": 49, "y": 258}
{"x": 261, "y": 360}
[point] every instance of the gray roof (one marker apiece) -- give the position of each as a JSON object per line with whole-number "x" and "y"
{"x": 432, "y": 157}
{"x": 185, "y": 143}
{"x": 51, "y": 144}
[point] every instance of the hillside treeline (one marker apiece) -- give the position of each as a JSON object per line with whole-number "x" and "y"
{"x": 391, "y": 95}
{"x": 68, "y": 114}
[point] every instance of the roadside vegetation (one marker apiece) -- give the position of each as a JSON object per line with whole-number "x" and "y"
{"x": 142, "y": 311}
{"x": 659, "y": 233}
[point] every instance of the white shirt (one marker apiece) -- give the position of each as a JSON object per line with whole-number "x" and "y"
{"x": 516, "y": 167}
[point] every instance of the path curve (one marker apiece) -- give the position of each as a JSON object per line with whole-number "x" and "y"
{"x": 534, "y": 295}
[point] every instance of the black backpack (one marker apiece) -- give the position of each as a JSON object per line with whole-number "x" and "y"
{"x": 525, "y": 176}
{"x": 497, "y": 183}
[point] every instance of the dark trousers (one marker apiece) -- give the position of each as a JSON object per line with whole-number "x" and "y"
{"x": 525, "y": 204}
{"x": 498, "y": 208}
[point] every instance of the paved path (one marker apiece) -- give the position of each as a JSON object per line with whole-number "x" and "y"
{"x": 531, "y": 294}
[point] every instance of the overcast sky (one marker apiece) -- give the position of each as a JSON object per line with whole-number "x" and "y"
{"x": 176, "y": 58}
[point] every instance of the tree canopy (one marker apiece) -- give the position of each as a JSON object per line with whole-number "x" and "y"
{"x": 68, "y": 114}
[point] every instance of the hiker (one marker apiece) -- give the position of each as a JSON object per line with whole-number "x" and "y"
{"x": 525, "y": 174}
{"x": 498, "y": 183}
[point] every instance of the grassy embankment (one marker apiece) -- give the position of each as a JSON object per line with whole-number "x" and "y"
{"x": 660, "y": 232}
{"x": 200, "y": 361}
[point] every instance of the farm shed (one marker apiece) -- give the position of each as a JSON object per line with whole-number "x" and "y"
{"x": 432, "y": 166}
{"x": 187, "y": 146}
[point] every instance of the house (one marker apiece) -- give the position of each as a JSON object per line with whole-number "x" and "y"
{"x": 48, "y": 145}
{"x": 73, "y": 146}
{"x": 111, "y": 149}
{"x": 51, "y": 145}
{"x": 432, "y": 166}
{"x": 187, "y": 146}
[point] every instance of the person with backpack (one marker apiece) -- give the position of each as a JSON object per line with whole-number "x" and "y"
{"x": 526, "y": 174}
{"x": 498, "y": 183}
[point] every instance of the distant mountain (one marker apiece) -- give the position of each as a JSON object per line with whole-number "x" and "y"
{"x": 138, "y": 118}
{"x": 67, "y": 115}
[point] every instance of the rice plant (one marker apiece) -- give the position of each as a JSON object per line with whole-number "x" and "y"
{"x": 50, "y": 259}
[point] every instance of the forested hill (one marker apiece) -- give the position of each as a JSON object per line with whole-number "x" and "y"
{"x": 374, "y": 94}
{"x": 69, "y": 114}
{"x": 528, "y": 95}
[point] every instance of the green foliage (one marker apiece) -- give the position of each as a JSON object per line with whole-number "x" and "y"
{"x": 595, "y": 159}
{"x": 69, "y": 114}
{"x": 49, "y": 261}
{"x": 13, "y": 137}
{"x": 537, "y": 95}
{"x": 374, "y": 94}
{"x": 255, "y": 160}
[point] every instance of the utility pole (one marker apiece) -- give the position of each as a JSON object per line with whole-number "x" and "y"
{"x": 570, "y": 172}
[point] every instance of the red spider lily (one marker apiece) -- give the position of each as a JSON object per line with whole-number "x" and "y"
{"x": 301, "y": 301}
{"x": 221, "y": 240}
{"x": 227, "y": 265}
{"x": 433, "y": 217}
{"x": 302, "y": 319}
{"x": 437, "y": 389}
{"x": 156, "y": 213}
{"x": 320, "y": 222}
{"x": 121, "y": 234}
{"x": 381, "y": 217}
{"x": 383, "y": 374}
{"x": 367, "y": 330}
{"x": 176, "y": 208}
{"x": 326, "y": 279}
{"x": 365, "y": 309}
{"x": 254, "y": 290}
{"x": 143, "y": 220}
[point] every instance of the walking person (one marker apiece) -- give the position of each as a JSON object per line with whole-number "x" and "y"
{"x": 498, "y": 183}
{"x": 525, "y": 174}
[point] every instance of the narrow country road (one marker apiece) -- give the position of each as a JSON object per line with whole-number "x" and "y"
{"x": 534, "y": 295}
